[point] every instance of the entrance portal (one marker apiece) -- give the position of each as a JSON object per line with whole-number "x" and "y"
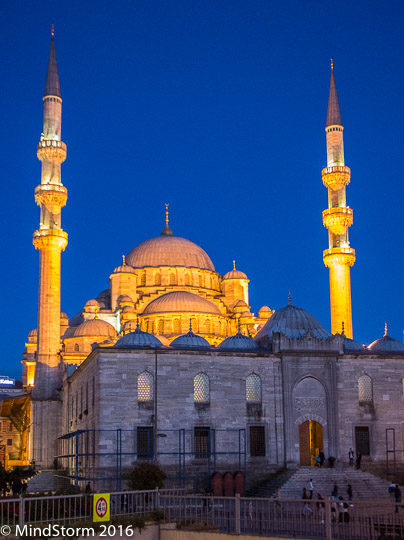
{"x": 310, "y": 441}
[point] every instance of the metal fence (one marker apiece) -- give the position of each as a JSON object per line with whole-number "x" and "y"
{"x": 339, "y": 520}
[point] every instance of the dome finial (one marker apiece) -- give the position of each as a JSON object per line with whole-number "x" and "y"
{"x": 190, "y": 324}
{"x": 167, "y": 231}
{"x": 385, "y": 329}
{"x": 332, "y": 64}
{"x": 97, "y": 309}
{"x": 123, "y": 260}
{"x": 234, "y": 265}
{"x": 137, "y": 322}
{"x": 53, "y": 30}
{"x": 289, "y": 299}
{"x": 239, "y": 325}
{"x": 343, "y": 328}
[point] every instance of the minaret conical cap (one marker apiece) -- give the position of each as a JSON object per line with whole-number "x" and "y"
{"x": 52, "y": 85}
{"x": 333, "y": 112}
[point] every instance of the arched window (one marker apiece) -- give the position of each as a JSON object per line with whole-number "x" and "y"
{"x": 160, "y": 326}
{"x": 157, "y": 279}
{"x": 187, "y": 279}
{"x": 172, "y": 279}
{"x": 177, "y": 326}
{"x": 253, "y": 388}
{"x": 145, "y": 387}
{"x": 194, "y": 325}
{"x": 201, "y": 388}
{"x": 365, "y": 390}
{"x": 207, "y": 282}
{"x": 208, "y": 326}
{"x": 76, "y": 347}
{"x": 200, "y": 280}
{"x": 143, "y": 279}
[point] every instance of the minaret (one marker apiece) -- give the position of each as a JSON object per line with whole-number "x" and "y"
{"x": 339, "y": 257}
{"x": 50, "y": 240}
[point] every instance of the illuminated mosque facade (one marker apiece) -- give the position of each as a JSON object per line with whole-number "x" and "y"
{"x": 169, "y": 363}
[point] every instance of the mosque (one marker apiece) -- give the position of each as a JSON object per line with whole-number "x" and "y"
{"x": 170, "y": 364}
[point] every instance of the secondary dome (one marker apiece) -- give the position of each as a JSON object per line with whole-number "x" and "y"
{"x": 138, "y": 340}
{"x": 190, "y": 341}
{"x": 387, "y": 344}
{"x": 181, "y": 301}
{"x": 238, "y": 342}
{"x": 168, "y": 250}
{"x": 96, "y": 328}
{"x": 292, "y": 321}
{"x": 235, "y": 274}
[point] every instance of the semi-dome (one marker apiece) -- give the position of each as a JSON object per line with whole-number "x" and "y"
{"x": 166, "y": 250}
{"x": 294, "y": 322}
{"x": 239, "y": 342}
{"x": 190, "y": 341}
{"x": 138, "y": 340}
{"x": 95, "y": 328}
{"x": 350, "y": 345}
{"x": 387, "y": 344}
{"x": 180, "y": 301}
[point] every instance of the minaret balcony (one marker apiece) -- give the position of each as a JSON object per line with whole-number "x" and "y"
{"x": 336, "y": 177}
{"x": 338, "y": 219}
{"x": 51, "y": 150}
{"x": 53, "y": 196}
{"x": 339, "y": 255}
{"x": 50, "y": 239}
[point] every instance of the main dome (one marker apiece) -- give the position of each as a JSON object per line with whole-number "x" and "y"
{"x": 165, "y": 250}
{"x": 180, "y": 301}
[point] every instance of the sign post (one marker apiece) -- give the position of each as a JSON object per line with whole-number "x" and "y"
{"x": 101, "y": 507}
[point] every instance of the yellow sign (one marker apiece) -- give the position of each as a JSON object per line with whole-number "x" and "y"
{"x": 101, "y": 507}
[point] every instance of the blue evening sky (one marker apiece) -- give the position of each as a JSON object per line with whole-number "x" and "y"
{"x": 217, "y": 107}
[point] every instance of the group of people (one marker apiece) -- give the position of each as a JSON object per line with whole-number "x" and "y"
{"x": 339, "y": 507}
{"x": 351, "y": 456}
{"x": 19, "y": 488}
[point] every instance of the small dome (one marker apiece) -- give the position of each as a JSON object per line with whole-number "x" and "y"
{"x": 235, "y": 274}
{"x": 92, "y": 303}
{"x": 190, "y": 341}
{"x": 124, "y": 298}
{"x": 265, "y": 309}
{"x": 128, "y": 309}
{"x": 238, "y": 342}
{"x": 294, "y": 322}
{"x": 63, "y": 315}
{"x": 350, "y": 345}
{"x": 386, "y": 344}
{"x": 124, "y": 269}
{"x": 138, "y": 340}
{"x": 104, "y": 295}
{"x": 179, "y": 302}
{"x": 169, "y": 250}
{"x": 33, "y": 333}
{"x": 95, "y": 328}
{"x": 239, "y": 303}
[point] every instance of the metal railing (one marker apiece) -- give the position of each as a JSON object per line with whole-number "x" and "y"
{"x": 331, "y": 519}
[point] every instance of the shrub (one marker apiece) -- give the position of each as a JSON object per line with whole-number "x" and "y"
{"x": 145, "y": 476}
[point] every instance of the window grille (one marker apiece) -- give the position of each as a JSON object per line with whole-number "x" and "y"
{"x": 253, "y": 388}
{"x": 365, "y": 389}
{"x": 257, "y": 441}
{"x": 145, "y": 387}
{"x": 143, "y": 279}
{"x": 362, "y": 440}
{"x": 208, "y": 327}
{"x": 76, "y": 347}
{"x": 201, "y": 388}
{"x": 177, "y": 326}
{"x": 145, "y": 442}
{"x": 202, "y": 442}
{"x": 160, "y": 326}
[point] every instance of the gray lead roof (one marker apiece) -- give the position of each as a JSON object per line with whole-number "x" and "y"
{"x": 333, "y": 112}
{"x": 52, "y": 85}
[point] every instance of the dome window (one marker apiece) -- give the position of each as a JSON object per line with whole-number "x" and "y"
{"x": 172, "y": 279}
{"x": 177, "y": 326}
{"x": 253, "y": 388}
{"x": 365, "y": 389}
{"x": 157, "y": 279}
{"x": 143, "y": 279}
{"x": 201, "y": 388}
{"x": 145, "y": 391}
{"x": 187, "y": 279}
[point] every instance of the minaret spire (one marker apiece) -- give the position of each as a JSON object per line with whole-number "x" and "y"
{"x": 50, "y": 240}
{"x": 339, "y": 257}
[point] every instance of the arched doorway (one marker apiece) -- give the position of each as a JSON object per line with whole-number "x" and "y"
{"x": 310, "y": 441}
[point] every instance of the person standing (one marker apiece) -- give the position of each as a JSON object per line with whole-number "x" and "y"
{"x": 349, "y": 492}
{"x": 321, "y": 508}
{"x": 306, "y": 506}
{"x": 358, "y": 459}
{"x": 334, "y": 493}
{"x": 392, "y": 489}
{"x": 351, "y": 457}
{"x": 310, "y": 488}
{"x": 321, "y": 455}
{"x": 397, "y": 497}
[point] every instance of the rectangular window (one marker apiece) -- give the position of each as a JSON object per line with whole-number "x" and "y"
{"x": 9, "y": 442}
{"x": 257, "y": 441}
{"x": 202, "y": 442}
{"x": 145, "y": 442}
{"x": 362, "y": 440}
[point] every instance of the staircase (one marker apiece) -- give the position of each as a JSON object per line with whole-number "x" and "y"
{"x": 364, "y": 484}
{"x": 267, "y": 488}
{"x": 46, "y": 480}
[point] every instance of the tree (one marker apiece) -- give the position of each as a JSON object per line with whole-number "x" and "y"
{"x": 144, "y": 477}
